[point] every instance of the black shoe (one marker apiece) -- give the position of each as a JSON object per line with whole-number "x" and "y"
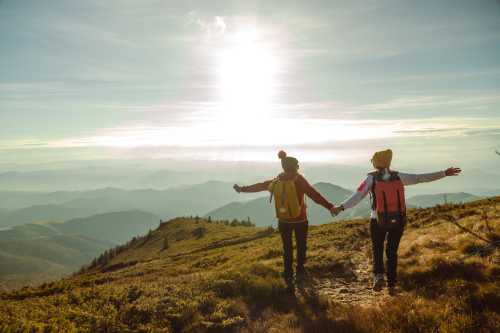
{"x": 392, "y": 288}
{"x": 288, "y": 277}
{"x": 301, "y": 275}
{"x": 290, "y": 288}
{"x": 378, "y": 282}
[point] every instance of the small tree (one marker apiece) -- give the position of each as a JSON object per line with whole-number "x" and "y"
{"x": 248, "y": 223}
{"x": 209, "y": 220}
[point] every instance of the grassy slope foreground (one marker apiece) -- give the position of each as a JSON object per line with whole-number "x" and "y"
{"x": 195, "y": 276}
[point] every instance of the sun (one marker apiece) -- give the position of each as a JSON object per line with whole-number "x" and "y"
{"x": 247, "y": 72}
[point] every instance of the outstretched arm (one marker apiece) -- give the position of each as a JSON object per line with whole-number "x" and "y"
{"x": 313, "y": 194}
{"x": 413, "y": 179}
{"x": 360, "y": 193}
{"x": 259, "y": 187}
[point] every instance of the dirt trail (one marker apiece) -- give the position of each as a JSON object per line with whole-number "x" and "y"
{"x": 355, "y": 291}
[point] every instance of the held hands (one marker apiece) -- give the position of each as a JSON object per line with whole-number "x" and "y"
{"x": 237, "y": 188}
{"x": 452, "y": 171}
{"x": 335, "y": 210}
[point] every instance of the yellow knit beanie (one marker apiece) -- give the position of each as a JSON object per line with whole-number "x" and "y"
{"x": 382, "y": 159}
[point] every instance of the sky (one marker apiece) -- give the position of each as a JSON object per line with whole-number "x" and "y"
{"x": 329, "y": 81}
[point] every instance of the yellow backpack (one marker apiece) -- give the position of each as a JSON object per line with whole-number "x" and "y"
{"x": 285, "y": 198}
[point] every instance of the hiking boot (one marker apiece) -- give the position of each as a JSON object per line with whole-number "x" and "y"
{"x": 301, "y": 275}
{"x": 378, "y": 282}
{"x": 290, "y": 287}
{"x": 288, "y": 277}
{"x": 392, "y": 288}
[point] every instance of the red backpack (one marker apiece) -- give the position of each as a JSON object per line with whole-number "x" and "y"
{"x": 388, "y": 200}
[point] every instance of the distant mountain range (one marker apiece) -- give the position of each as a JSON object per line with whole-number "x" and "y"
{"x": 429, "y": 200}
{"x": 29, "y": 207}
{"x": 261, "y": 211}
{"x": 212, "y": 198}
{"x": 141, "y": 174}
{"x": 33, "y": 253}
{"x": 96, "y": 177}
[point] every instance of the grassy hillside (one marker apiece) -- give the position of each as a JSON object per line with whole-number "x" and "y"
{"x": 34, "y": 253}
{"x": 39, "y": 213}
{"x": 117, "y": 227}
{"x": 33, "y": 261}
{"x": 196, "y": 276}
{"x": 28, "y": 231}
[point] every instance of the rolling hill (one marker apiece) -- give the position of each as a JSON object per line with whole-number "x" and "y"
{"x": 117, "y": 227}
{"x": 193, "y": 275}
{"x": 30, "y": 262}
{"x": 34, "y": 253}
{"x": 39, "y": 213}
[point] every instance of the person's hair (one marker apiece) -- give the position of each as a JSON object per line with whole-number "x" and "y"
{"x": 288, "y": 163}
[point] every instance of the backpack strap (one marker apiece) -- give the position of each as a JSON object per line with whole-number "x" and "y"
{"x": 394, "y": 175}
{"x": 375, "y": 175}
{"x": 400, "y": 209}
{"x": 271, "y": 188}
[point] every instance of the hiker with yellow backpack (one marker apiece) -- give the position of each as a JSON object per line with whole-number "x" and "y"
{"x": 288, "y": 191}
{"x": 388, "y": 214}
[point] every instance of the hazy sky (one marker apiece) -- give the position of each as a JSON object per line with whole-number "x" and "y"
{"x": 329, "y": 80}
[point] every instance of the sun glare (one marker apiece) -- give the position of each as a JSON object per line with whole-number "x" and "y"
{"x": 246, "y": 77}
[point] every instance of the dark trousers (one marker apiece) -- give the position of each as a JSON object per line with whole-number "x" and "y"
{"x": 378, "y": 236}
{"x": 286, "y": 230}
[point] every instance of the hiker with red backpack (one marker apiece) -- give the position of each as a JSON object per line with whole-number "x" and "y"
{"x": 388, "y": 214}
{"x": 288, "y": 190}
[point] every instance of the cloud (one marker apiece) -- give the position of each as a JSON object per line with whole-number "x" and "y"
{"x": 430, "y": 102}
{"x": 212, "y": 27}
{"x": 230, "y": 134}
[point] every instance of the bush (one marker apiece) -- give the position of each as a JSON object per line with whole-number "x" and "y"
{"x": 199, "y": 232}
